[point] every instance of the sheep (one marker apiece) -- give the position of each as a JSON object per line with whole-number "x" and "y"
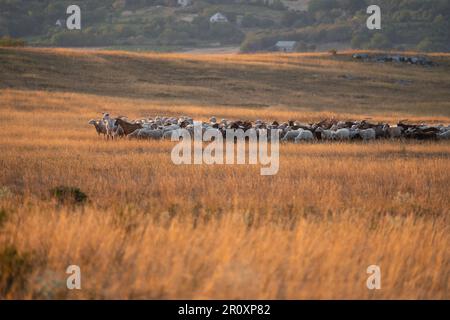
{"x": 171, "y": 127}
{"x": 325, "y": 134}
{"x": 110, "y": 124}
{"x": 304, "y": 135}
{"x": 161, "y": 127}
{"x": 395, "y": 132}
{"x": 119, "y": 131}
{"x": 146, "y": 134}
{"x": 290, "y": 135}
{"x": 367, "y": 134}
{"x": 341, "y": 125}
{"x": 341, "y": 134}
{"x": 381, "y": 131}
{"x": 99, "y": 126}
{"x": 354, "y": 134}
{"x": 444, "y": 135}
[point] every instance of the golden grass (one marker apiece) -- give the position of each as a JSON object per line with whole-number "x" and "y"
{"x": 155, "y": 230}
{"x": 301, "y": 82}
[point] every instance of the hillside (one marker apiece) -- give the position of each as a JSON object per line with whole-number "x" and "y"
{"x": 311, "y": 82}
{"x": 254, "y": 25}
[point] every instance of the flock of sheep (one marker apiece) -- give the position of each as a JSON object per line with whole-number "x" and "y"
{"x": 329, "y": 129}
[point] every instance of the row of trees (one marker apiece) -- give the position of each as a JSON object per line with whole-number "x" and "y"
{"x": 409, "y": 24}
{"x": 164, "y": 31}
{"x": 406, "y": 24}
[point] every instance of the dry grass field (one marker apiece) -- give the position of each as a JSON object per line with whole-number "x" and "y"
{"x": 154, "y": 230}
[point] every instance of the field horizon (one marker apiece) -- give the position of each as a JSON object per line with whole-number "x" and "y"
{"x": 153, "y": 230}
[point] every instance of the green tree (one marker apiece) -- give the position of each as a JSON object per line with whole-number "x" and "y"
{"x": 379, "y": 41}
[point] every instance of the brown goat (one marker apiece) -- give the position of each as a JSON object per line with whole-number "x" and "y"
{"x": 128, "y": 127}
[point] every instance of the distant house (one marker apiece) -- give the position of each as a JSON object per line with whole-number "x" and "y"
{"x": 218, "y": 18}
{"x": 60, "y": 23}
{"x": 184, "y": 3}
{"x": 286, "y": 46}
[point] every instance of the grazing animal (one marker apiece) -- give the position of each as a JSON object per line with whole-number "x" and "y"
{"x": 290, "y": 135}
{"x": 367, "y": 134}
{"x": 160, "y": 127}
{"x": 444, "y": 135}
{"x": 395, "y": 132}
{"x": 146, "y": 134}
{"x": 111, "y": 126}
{"x": 99, "y": 126}
{"x": 304, "y": 135}
{"x": 325, "y": 134}
{"x": 128, "y": 127}
{"x": 341, "y": 134}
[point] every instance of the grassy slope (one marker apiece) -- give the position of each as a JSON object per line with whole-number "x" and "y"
{"x": 312, "y": 82}
{"x": 155, "y": 230}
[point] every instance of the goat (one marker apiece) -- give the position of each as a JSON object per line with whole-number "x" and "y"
{"x": 128, "y": 127}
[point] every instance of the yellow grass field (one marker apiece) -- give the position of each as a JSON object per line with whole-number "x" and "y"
{"x": 154, "y": 230}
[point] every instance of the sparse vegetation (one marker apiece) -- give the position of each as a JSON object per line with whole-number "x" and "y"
{"x": 68, "y": 195}
{"x": 10, "y": 42}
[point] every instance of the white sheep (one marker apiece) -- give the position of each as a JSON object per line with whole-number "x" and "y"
{"x": 444, "y": 135}
{"x": 290, "y": 135}
{"x": 368, "y": 134}
{"x": 395, "y": 132}
{"x": 145, "y": 133}
{"x": 341, "y": 134}
{"x": 304, "y": 135}
{"x": 111, "y": 127}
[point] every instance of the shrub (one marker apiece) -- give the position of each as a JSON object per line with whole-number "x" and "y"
{"x": 14, "y": 268}
{"x": 10, "y": 42}
{"x": 68, "y": 195}
{"x": 379, "y": 41}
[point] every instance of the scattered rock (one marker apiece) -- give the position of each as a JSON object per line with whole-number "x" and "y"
{"x": 423, "y": 61}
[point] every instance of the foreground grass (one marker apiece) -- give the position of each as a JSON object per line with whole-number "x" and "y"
{"x": 151, "y": 229}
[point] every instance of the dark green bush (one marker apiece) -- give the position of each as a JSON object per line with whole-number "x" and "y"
{"x": 14, "y": 269}
{"x": 68, "y": 195}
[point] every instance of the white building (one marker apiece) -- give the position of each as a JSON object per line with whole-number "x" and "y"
{"x": 184, "y": 3}
{"x": 286, "y": 46}
{"x": 218, "y": 18}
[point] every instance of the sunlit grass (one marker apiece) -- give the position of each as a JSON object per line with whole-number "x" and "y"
{"x": 151, "y": 229}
